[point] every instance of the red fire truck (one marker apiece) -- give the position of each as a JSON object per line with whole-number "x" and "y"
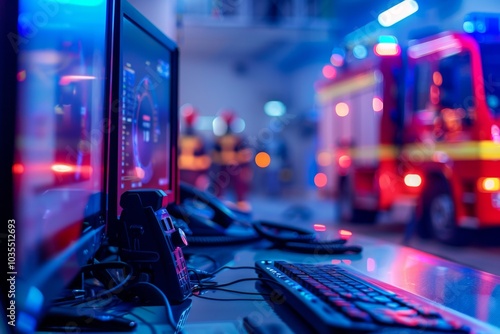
{"x": 415, "y": 134}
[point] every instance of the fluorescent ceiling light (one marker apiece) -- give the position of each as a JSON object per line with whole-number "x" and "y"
{"x": 397, "y": 13}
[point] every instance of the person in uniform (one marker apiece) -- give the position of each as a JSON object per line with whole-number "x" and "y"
{"x": 194, "y": 160}
{"x": 231, "y": 157}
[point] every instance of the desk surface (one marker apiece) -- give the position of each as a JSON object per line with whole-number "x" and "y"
{"x": 469, "y": 291}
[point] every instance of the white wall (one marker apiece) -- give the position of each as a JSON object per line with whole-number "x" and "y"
{"x": 217, "y": 85}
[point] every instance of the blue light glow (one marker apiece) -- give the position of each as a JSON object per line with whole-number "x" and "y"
{"x": 360, "y": 52}
{"x": 389, "y": 39}
{"x": 468, "y": 26}
{"x": 274, "y": 108}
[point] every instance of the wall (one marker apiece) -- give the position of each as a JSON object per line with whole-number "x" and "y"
{"x": 161, "y": 13}
{"x": 215, "y": 85}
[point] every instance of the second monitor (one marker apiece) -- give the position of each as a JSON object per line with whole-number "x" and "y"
{"x": 144, "y": 145}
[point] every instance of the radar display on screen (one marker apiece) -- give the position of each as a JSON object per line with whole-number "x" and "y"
{"x": 144, "y": 144}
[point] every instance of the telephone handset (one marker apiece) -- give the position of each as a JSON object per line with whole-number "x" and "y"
{"x": 151, "y": 244}
{"x": 207, "y": 220}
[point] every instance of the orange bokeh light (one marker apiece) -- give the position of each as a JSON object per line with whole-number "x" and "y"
{"x": 262, "y": 159}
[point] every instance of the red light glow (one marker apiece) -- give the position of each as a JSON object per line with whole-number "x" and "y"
{"x": 21, "y": 76}
{"x": 320, "y": 180}
{"x": 345, "y": 234}
{"x": 336, "y": 261}
{"x": 140, "y": 172}
{"x": 348, "y": 262}
{"x": 17, "y": 169}
{"x": 437, "y": 78}
{"x": 67, "y": 79}
{"x": 329, "y": 72}
{"x": 345, "y": 161}
{"x": 319, "y": 227}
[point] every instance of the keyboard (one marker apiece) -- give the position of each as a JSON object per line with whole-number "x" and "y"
{"x": 335, "y": 298}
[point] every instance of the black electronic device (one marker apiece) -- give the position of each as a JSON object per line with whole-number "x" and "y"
{"x": 151, "y": 244}
{"x": 208, "y": 221}
{"x": 143, "y": 144}
{"x": 59, "y": 148}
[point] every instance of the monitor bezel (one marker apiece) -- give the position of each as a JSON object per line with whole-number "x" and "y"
{"x": 123, "y": 9}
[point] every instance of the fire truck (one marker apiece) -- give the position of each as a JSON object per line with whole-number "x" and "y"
{"x": 413, "y": 134}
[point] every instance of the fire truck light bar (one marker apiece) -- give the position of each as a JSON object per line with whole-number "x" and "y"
{"x": 436, "y": 45}
{"x": 397, "y": 13}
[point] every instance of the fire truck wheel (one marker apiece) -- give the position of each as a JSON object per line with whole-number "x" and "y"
{"x": 440, "y": 212}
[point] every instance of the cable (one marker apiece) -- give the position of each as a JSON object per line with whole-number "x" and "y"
{"x": 145, "y": 322}
{"x": 232, "y": 299}
{"x": 155, "y": 289}
{"x": 236, "y": 291}
{"x": 89, "y": 269}
{"x": 234, "y": 268}
{"x": 106, "y": 266}
{"x": 246, "y": 280}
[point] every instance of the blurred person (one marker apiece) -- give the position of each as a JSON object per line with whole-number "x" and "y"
{"x": 231, "y": 156}
{"x": 194, "y": 160}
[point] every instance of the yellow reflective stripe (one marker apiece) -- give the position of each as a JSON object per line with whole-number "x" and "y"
{"x": 476, "y": 150}
{"x": 489, "y": 150}
{"x": 383, "y": 152}
{"x": 361, "y": 81}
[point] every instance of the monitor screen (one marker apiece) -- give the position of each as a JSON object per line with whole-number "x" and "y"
{"x": 147, "y": 122}
{"x": 59, "y": 153}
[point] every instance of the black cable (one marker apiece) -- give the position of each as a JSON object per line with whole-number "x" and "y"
{"x": 107, "y": 266}
{"x": 235, "y": 291}
{"x": 169, "y": 314}
{"x": 145, "y": 322}
{"x": 234, "y": 268}
{"x": 246, "y": 280}
{"x": 231, "y": 299}
{"x": 100, "y": 266}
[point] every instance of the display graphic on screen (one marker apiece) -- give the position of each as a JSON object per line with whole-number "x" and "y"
{"x": 144, "y": 121}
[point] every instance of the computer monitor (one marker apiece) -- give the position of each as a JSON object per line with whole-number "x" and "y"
{"x": 59, "y": 157}
{"x": 8, "y": 60}
{"x": 145, "y": 87}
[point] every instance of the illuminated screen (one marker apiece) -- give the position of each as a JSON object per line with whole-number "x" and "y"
{"x": 59, "y": 145}
{"x": 144, "y": 144}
